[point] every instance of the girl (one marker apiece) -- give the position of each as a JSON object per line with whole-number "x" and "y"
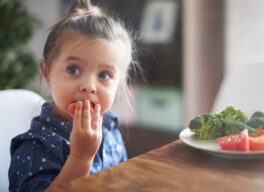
{"x": 86, "y": 61}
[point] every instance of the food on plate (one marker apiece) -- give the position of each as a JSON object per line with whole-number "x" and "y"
{"x": 238, "y": 142}
{"x": 230, "y": 128}
{"x": 241, "y": 142}
{"x": 233, "y": 114}
{"x": 256, "y": 143}
{"x": 230, "y": 121}
{"x": 260, "y": 132}
{"x": 206, "y": 126}
{"x": 257, "y": 120}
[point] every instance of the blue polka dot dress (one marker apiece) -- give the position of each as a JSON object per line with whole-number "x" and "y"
{"x": 38, "y": 155}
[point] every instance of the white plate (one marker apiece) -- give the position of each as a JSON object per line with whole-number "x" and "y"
{"x": 211, "y": 147}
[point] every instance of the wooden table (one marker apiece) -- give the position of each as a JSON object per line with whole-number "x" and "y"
{"x": 176, "y": 167}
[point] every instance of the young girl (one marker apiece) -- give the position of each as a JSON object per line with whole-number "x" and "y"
{"x": 86, "y": 61}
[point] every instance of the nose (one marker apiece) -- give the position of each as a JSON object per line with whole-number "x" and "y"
{"x": 88, "y": 87}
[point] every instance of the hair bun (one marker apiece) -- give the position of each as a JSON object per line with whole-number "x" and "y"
{"x": 94, "y": 11}
{"x": 84, "y": 7}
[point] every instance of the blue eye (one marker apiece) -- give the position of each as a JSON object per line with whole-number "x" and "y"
{"x": 73, "y": 70}
{"x": 104, "y": 75}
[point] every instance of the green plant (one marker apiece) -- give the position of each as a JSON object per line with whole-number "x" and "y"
{"x": 17, "y": 65}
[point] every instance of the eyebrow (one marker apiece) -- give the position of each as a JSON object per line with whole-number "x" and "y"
{"x": 108, "y": 66}
{"x": 72, "y": 58}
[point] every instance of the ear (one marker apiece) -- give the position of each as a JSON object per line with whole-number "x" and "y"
{"x": 43, "y": 68}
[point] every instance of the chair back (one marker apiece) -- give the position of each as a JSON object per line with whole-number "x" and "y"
{"x": 17, "y": 108}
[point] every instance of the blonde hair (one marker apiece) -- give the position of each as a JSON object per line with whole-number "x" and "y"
{"x": 90, "y": 21}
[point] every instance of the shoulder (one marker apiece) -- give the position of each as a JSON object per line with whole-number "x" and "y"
{"x": 110, "y": 114}
{"x": 110, "y": 120}
{"x": 48, "y": 139}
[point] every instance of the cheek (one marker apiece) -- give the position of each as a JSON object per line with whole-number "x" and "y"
{"x": 61, "y": 99}
{"x": 58, "y": 97}
{"x": 108, "y": 99}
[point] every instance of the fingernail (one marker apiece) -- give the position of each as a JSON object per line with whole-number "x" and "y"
{"x": 98, "y": 107}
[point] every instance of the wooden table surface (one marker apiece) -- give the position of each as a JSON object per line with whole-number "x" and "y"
{"x": 176, "y": 167}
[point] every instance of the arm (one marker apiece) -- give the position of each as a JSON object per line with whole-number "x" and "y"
{"x": 85, "y": 139}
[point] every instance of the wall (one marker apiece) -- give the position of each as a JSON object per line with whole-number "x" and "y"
{"x": 244, "y": 32}
{"x": 219, "y": 37}
{"x": 203, "y": 29}
{"x": 48, "y": 12}
{"x": 244, "y": 61}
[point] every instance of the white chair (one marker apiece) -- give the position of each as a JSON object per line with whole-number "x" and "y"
{"x": 243, "y": 87}
{"x": 17, "y": 108}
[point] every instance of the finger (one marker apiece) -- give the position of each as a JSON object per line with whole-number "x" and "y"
{"x": 101, "y": 121}
{"x": 86, "y": 114}
{"x": 77, "y": 121}
{"x": 100, "y": 125}
{"x": 96, "y": 117}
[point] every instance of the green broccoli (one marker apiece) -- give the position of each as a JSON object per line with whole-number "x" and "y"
{"x": 256, "y": 121}
{"x": 232, "y": 128}
{"x": 232, "y": 114}
{"x": 206, "y": 126}
{"x": 257, "y": 114}
{"x": 228, "y": 122}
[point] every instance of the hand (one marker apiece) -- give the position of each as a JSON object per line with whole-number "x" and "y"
{"x": 86, "y": 135}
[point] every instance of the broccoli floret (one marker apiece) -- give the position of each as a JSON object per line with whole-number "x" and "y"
{"x": 257, "y": 120}
{"x": 206, "y": 126}
{"x": 230, "y": 121}
{"x": 232, "y": 114}
{"x": 256, "y": 123}
{"x": 232, "y": 128}
{"x": 257, "y": 114}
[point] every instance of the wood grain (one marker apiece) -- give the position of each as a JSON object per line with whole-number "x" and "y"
{"x": 176, "y": 167}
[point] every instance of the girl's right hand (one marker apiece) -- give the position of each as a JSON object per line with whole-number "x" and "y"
{"x": 86, "y": 134}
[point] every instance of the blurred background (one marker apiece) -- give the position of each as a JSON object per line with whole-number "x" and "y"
{"x": 189, "y": 51}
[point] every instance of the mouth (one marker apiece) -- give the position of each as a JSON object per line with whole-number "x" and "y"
{"x": 71, "y": 107}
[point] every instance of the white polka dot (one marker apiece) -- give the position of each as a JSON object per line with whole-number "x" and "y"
{"x": 18, "y": 157}
{"x": 53, "y": 134}
{"x": 34, "y": 142}
{"x": 43, "y": 128}
{"x": 40, "y": 168}
{"x": 119, "y": 148}
{"x": 17, "y": 172}
{"x": 112, "y": 124}
{"x": 62, "y": 123}
{"x": 28, "y": 157}
{"x": 30, "y": 173}
{"x": 29, "y": 133}
{"x": 43, "y": 160}
{"x": 53, "y": 146}
{"x": 48, "y": 119}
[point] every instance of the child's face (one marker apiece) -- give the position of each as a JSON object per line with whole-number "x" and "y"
{"x": 86, "y": 69}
